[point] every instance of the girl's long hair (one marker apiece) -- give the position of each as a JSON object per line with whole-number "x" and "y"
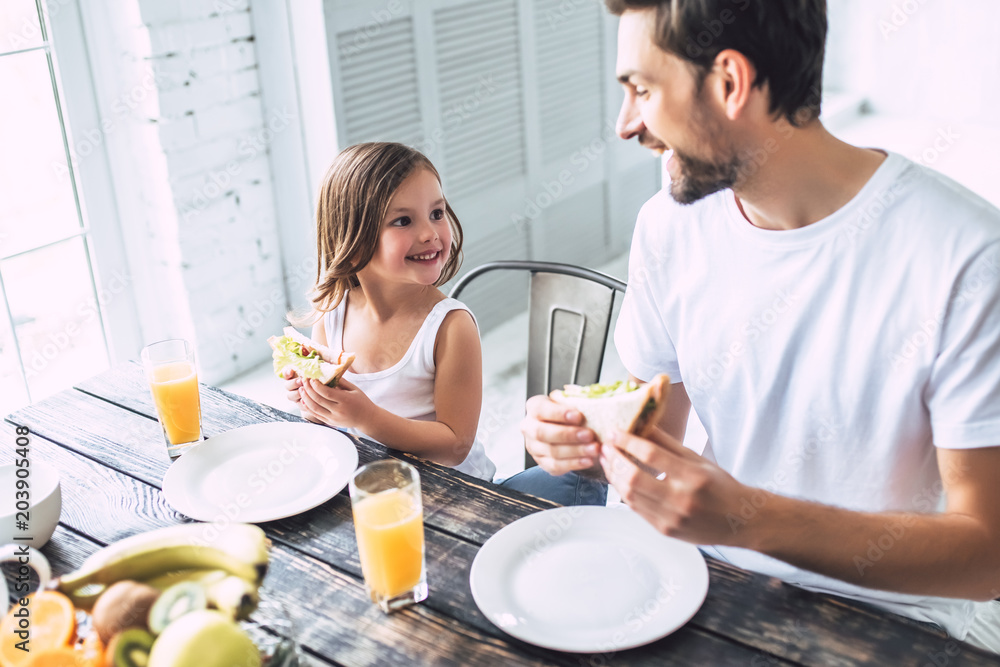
{"x": 353, "y": 202}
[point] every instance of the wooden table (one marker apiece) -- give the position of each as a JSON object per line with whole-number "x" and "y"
{"x": 104, "y": 438}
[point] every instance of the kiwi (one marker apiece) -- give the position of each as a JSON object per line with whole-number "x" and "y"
{"x": 174, "y": 602}
{"x": 125, "y": 604}
{"x": 129, "y": 649}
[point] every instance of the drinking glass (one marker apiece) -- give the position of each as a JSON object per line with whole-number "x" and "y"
{"x": 173, "y": 381}
{"x": 389, "y": 524}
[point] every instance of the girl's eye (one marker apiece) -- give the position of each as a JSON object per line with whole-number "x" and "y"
{"x": 641, "y": 92}
{"x": 437, "y": 214}
{"x": 400, "y": 222}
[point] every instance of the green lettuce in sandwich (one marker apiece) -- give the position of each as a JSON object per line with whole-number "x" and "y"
{"x": 308, "y": 359}
{"x": 619, "y": 406}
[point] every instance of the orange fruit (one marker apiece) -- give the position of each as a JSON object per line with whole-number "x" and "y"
{"x": 93, "y": 650}
{"x": 51, "y": 624}
{"x": 58, "y": 657}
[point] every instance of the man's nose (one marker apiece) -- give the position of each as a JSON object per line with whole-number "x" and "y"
{"x": 629, "y": 121}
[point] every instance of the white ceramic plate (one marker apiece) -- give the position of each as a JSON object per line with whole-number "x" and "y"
{"x": 261, "y": 472}
{"x": 587, "y": 580}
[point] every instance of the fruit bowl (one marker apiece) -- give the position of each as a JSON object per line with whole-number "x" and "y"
{"x": 180, "y": 596}
{"x": 269, "y": 627}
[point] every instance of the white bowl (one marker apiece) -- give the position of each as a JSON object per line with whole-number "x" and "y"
{"x": 44, "y": 504}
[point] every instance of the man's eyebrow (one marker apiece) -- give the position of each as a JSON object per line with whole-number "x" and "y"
{"x": 626, "y": 76}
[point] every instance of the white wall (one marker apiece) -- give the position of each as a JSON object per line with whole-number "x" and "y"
{"x": 930, "y": 72}
{"x": 193, "y": 177}
{"x": 932, "y": 59}
{"x": 215, "y": 135}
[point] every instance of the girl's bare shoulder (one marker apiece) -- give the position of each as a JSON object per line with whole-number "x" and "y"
{"x": 458, "y": 334}
{"x": 434, "y": 297}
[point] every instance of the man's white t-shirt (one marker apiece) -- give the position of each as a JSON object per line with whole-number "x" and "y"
{"x": 827, "y": 363}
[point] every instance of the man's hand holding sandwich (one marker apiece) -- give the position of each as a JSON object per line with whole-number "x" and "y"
{"x": 681, "y": 493}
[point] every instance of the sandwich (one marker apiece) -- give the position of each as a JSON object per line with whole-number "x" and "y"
{"x": 619, "y": 406}
{"x": 307, "y": 358}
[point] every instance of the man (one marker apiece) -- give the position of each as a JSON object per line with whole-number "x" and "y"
{"x": 831, "y": 312}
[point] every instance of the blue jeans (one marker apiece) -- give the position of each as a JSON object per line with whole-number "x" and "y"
{"x": 568, "y": 489}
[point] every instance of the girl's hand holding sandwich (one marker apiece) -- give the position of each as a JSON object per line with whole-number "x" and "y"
{"x": 292, "y": 385}
{"x": 343, "y": 405}
{"x": 297, "y": 358}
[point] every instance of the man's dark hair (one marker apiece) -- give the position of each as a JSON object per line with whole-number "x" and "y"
{"x": 784, "y": 39}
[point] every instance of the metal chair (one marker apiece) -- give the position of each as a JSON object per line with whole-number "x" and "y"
{"x": 569, "y": 317}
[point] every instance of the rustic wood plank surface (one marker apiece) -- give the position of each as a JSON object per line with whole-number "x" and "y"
{"x": 108, "y": 430}
{"x": 330, "y": 608}
{"x": 481, "y": 512}
{"x": 108, "y": 505}
{"x": 69, "y": 545}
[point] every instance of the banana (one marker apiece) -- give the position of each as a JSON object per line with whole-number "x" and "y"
{"x": 200, "y": 576}
{"x": 244, "y": 541}
{"x": 228, "y": 593}
{"x": 234, "y": 596}
{"x": 238, "y": 549}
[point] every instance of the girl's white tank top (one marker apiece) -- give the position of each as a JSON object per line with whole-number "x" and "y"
{"x": 407, "y": 388}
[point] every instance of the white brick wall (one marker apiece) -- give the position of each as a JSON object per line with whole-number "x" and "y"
{"x": 176, "y": 99}
{"x": 214, "y": 135}
{"x": 157, "y": 12}
{"x": 185, "y": 36}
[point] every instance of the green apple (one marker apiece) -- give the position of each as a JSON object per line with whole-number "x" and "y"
{"x": 204, "y": 638}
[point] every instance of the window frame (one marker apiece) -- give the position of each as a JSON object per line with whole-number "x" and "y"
{"x": 77, "y": 99}
{"x": 295, "y": 78}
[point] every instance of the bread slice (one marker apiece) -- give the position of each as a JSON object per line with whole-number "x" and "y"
{"x": 329, "y": 369}
{"x": 636, "y": 411}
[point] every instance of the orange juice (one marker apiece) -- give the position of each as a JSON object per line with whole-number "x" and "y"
{"x": 390, "y": 530}
{"x": 175, "y": 392}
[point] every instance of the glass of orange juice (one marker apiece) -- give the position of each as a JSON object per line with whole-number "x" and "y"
{"x": 389, "y": 524}
{"x": 173, "y": 381}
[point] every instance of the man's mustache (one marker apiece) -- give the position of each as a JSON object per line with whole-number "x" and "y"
{"x": 647, "y": 140}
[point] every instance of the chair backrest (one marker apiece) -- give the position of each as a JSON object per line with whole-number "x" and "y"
{"x": 569, "y": 319}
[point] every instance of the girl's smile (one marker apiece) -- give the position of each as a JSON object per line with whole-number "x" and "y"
{"x": 426, "y": 257}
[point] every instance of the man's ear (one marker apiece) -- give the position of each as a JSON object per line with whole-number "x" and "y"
{"x": 733, "y": 77}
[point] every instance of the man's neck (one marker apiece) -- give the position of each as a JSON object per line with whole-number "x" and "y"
{"x": 810, "y": 176}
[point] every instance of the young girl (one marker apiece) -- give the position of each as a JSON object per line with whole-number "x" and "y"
{"x": 386, "y": 238}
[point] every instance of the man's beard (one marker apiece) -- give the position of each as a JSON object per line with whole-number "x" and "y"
{"x": 697, "y": 178}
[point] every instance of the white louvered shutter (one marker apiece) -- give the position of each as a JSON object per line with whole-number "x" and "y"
{"x": 479, "y": 79}
{"x": 378, "y": 98}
